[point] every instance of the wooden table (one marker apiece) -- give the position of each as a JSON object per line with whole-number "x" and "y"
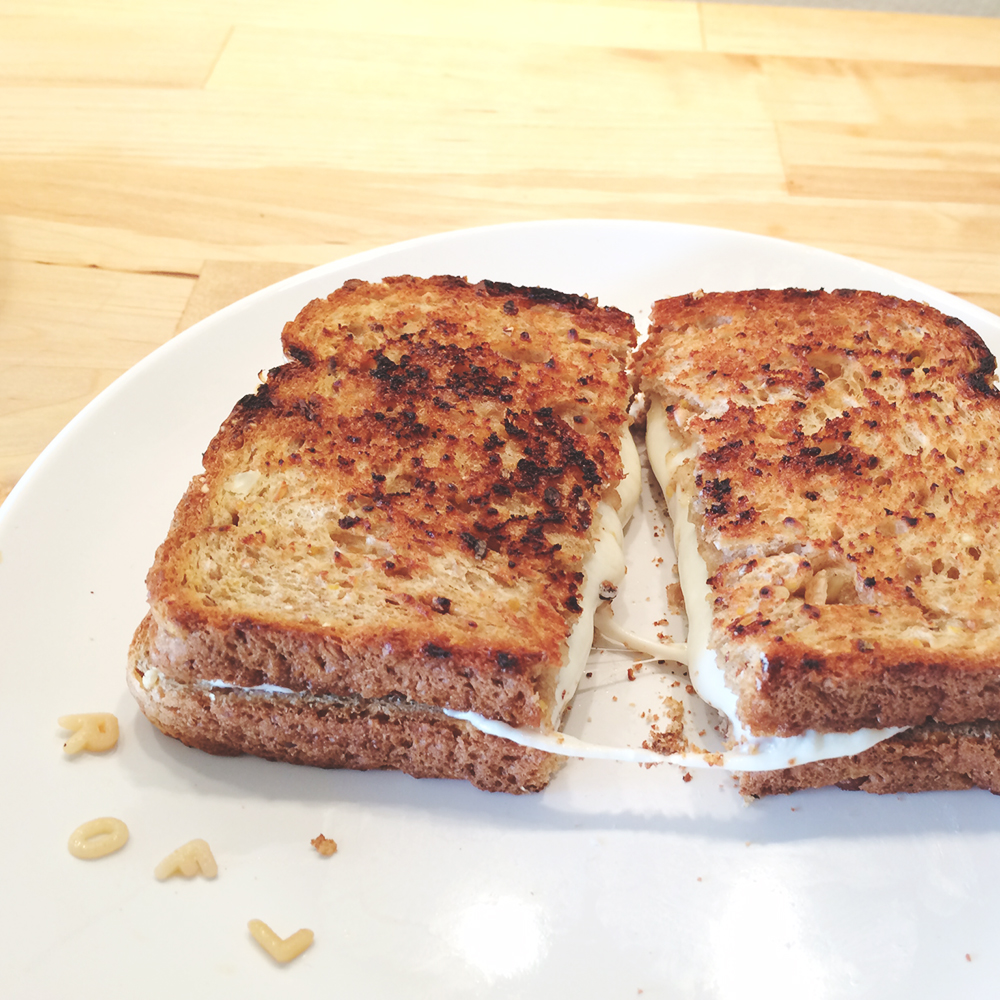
{"x": 160, "y": 160}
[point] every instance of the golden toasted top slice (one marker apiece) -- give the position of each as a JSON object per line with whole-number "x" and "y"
{"x": 405, "y": 509}
{"x": 845, "y": 480}
{"x": 533, "y": 326}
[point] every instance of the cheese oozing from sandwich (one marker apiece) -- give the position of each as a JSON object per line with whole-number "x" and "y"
{"x": 606, "y": 567}
{"x": 750, "y": 753}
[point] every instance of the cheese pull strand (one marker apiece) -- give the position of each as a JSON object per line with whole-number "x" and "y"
{"x": 604, "y": 622}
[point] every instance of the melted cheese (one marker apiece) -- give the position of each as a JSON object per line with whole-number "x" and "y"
{"x": 605, "y": 564}
{"x": 767, "y": 754}
{"x": 666, "y": 457}
{"x": 631, "y": 485}
{"x": 759, "y": 755}
{"x": 605, "y": 624}
{"x": 665, "y": 460}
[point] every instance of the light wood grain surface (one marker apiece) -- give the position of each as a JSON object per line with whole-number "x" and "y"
{"x": 158, "y": 161}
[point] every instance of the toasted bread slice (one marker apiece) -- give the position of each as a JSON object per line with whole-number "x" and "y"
{"x": 406, "y": 510}
{"x": 329, "y": 730}
{"x": 840, "y": 452}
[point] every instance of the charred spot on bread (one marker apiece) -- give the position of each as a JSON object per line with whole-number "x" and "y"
{"x": 301, "y": 355}
{"x": 507, "y": 661}
{"x": 542, "y": 296}
{"x": 259, "y": 400}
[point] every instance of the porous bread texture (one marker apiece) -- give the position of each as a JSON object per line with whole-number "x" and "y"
{"x": 927, "y": 758}
{"x": 846, "y": 499}
{"x": 404, "y": 510}
{"x": 528, "y": 326}
{"x": 330, "y": 731}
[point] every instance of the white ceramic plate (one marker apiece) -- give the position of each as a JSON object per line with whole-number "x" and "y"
{"x": 617, "y": 881}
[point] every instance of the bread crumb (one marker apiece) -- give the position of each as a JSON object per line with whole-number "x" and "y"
{"x": 324, "y": 845}
{"x": 670, "y": 739}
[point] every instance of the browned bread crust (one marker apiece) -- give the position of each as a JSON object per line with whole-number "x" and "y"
{"x": 847, "y": 491}
{"x": 326, "y": 731}
{"x": 525, "y": 325}
{"x": 402, "y": 512}
{"x": 928, "y": 758}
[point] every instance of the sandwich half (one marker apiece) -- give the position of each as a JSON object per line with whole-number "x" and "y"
{"x": 831, "y": 462}
{"x": 413, "y": 519}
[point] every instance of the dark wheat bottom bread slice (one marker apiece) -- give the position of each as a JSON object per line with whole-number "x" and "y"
{"x": 928, "y": 758}
{"x": 328, "y": 731}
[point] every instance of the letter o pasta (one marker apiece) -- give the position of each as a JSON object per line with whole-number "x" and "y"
{"x": 98, "y": 838}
